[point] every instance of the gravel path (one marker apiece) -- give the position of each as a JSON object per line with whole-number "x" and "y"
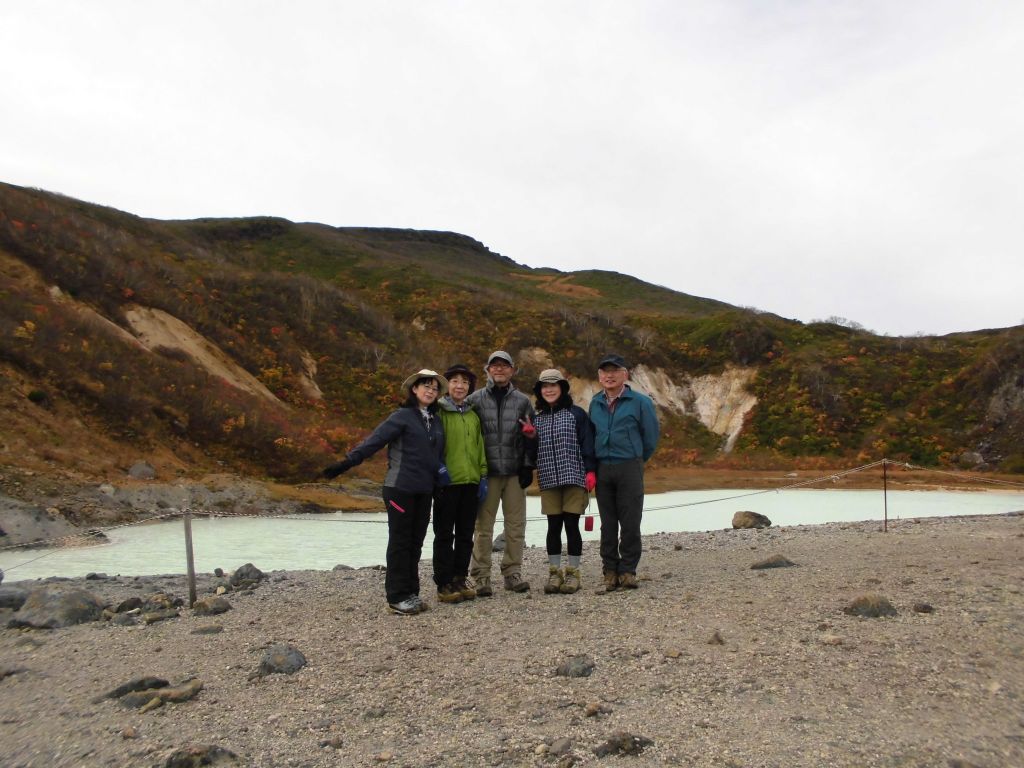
{"x": 709, "y": 663}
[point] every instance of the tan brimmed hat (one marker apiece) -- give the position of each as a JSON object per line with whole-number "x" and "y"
{"x": 426, "y": 373}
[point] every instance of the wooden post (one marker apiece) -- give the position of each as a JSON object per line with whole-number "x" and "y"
{"x": 885, "y": 493}
{"x": 189, "y": 559}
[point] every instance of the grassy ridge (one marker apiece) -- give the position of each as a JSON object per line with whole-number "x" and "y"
{"x": 364, "y": 306}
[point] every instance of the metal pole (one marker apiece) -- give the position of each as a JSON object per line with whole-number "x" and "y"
{"x": 885, "y": 493}
{"x": 189, "y": 559}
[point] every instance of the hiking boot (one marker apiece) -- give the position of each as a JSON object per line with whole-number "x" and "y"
{"x": 407, "y": 607}
{"x": 449, "y": 594}
{"x": 421, "y": 607}
{"x": 554, "y": 584}
{"x": 611, "y": 581}
{"x": 467, "y": 592}
{"x": 483, "y": 587}
{"x": 572, "y": 581}
{"x": 514, "y": 583}
{"x": 628, "y": 581}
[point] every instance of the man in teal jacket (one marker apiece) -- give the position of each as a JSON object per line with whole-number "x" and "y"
{"x": 627, "y": 434}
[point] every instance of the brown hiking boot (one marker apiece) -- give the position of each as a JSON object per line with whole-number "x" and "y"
{"x": 514, "y": 583}
{"x": 628, "y": 581}
{"x": 483, "y": 587}
{"x": 467, "y": 592}
{"x": 554, "y": 584}
{"x": 572, "y": 581}
{"x": 611, "y": 581}
{"x": 449, "y": 594}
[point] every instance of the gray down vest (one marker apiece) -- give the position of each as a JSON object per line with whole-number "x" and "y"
{"x": 503, "y": 437}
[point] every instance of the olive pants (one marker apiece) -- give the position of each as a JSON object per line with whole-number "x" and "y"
{"x": 502, "y": 490}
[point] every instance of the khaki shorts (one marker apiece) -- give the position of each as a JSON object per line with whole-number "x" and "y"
{"x": 564, "y": 498}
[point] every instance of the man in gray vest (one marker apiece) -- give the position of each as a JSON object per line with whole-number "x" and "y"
{"x": 505, "y": 414}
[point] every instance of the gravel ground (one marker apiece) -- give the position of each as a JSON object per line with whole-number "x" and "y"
{"x": 709, "y": 663}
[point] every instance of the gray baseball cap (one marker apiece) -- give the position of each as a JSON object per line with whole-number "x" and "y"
{"x": 500, "y": 354}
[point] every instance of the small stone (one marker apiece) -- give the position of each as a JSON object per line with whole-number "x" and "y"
{"x": 247, "y": 573}
{"x": 621, "y": 742}
{"x": 716, "y": 638}
{"x": 923, "y": 608}
{"x": 560, "y": 746}
{"x": 775, "y": 561}
{"x": 384, "y": 757}
{"x": 212, "y": 629}
{"x": 673, "y": 653}
{"x": 831, "y": 640}
{"x": 210, "y": 606}
{"x": 577, "y": 666}
{"x": 335, "y": 742}
{"x": 152, "y": 617}
{"x": 870, "y": 606}
{"x": 133, "y": 686}
{"x": 281, "y": 659}
{"x": 131, "y": 604}
{"x": 129, "y": 733}
{"x": 218, "y": 572}
{"x": 540, "y": 749}
{"x": 201, "y": 755}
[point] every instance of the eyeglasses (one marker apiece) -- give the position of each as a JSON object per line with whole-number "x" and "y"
{"x": 433, "y": 387}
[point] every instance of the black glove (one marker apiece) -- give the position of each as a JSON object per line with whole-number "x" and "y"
{"x": 525, "y": 477}
{"x": 338, "y": 468}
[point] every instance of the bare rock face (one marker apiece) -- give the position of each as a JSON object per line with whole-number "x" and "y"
{"x": 750, "y": 520}
{"x": 50, "y": 609}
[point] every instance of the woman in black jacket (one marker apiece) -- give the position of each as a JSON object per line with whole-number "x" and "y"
{"x": 415, "y": 440}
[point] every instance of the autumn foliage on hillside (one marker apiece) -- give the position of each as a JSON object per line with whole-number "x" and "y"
{"x": 331, "y": 319}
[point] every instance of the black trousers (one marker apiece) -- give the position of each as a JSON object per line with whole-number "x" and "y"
{"x": 620, "y": 501}
{"x": 455, "y": 508}
{"x": 573, "y": 538}
{"x": 408, "y": 518}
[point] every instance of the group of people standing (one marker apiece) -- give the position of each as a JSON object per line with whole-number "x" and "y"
{"x": 465, "y": 452}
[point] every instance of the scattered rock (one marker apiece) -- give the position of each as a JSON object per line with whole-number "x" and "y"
{"x": 775, "y": 561}
{"x": 335, "y": 742}
{"x": 831, "y": 640}
{"x": 623, "y": 743}
{"x": 213, "y": 629}
{"x": 577, "y": 666}
{"x": 499, "y": 543}
{"x": 559, "y": 747}
{"x": 129, "y": 733}
{"x": 8, "y": 671}
{"x": 206, "y": 755}
{"x": 96, "y": 577}
{"x": 176, "y": 695}
{"x": 342, "y": 567}
{"x": 131, "y": 604}
{"x": 281, "y": 659}
{"x": 125, "y": 619}
{"x": 152, "y": 617}
{"x": 923, "y": 608}
{"x": 870, "y": 606}
{"x": 716, "y": 639}
{"x": 750, "y": 520}
{"x": 247, "y": 574}
{"x": 142, "y": 470}
{"x": 133, "y": 686}
{"x": 51, "y": 609}
{"x": 218, "y": 572}
{"x": 211, "y": 606}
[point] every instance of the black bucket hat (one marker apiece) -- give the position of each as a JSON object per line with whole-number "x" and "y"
{"x": 462, "y": 370}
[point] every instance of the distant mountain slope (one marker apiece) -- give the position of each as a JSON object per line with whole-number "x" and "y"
{"x": 323, "y": 322}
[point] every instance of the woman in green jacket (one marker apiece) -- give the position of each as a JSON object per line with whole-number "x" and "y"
{"x": 455, "y": 505}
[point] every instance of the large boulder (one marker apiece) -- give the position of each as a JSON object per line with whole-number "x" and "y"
{"x": 51, "y": 609}
{"x": 247, "y": 574}
{"x": 750, "y": 520}
{"x": 12, "y": 597}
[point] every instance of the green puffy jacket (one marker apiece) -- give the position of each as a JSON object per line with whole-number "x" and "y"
{"x": 464, "y": 444}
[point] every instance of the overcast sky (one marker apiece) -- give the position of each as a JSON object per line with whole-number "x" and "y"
{"x": 810, "y": 158}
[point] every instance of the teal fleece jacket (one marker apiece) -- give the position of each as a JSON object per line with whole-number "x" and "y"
{"x": 464, "y": 443}
{"x": 629, "y": 432}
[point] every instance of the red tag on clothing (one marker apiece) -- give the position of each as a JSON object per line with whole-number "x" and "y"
{"x": 588, "y": 523}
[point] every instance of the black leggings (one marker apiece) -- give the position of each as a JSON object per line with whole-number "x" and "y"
{"x": 572, "y": 534}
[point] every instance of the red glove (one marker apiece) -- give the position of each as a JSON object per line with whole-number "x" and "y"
{"x": 529, "y": 430}
{"x": 591, "y": 481}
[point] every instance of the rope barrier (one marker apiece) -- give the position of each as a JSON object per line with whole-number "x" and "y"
{"x": 833, "y": 477}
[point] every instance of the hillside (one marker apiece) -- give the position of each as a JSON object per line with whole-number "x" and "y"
{"x": 262, "y": 347}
